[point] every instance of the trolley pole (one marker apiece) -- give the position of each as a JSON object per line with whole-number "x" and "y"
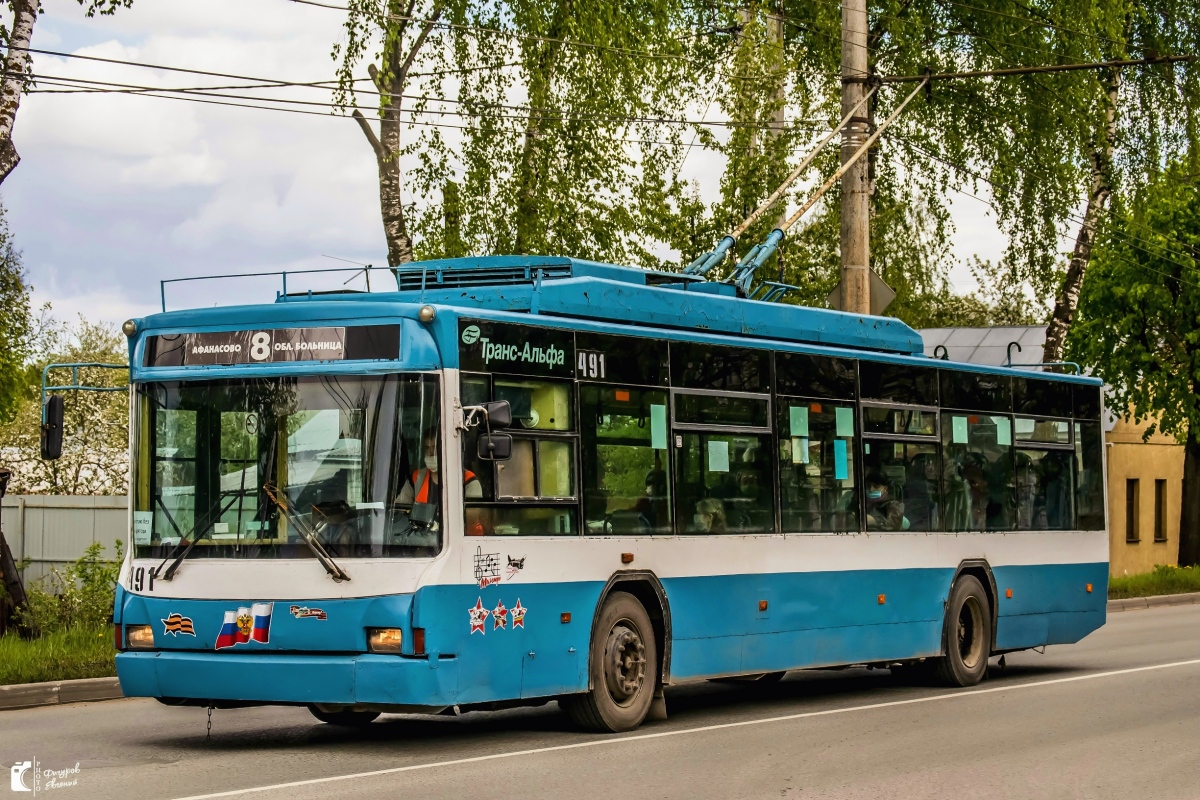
{"x": 856, "y": 197}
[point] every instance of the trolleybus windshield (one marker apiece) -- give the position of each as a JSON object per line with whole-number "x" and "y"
{"x": 244, "y": 467}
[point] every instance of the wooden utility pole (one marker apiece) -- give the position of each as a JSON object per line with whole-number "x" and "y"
{"x": 856, "y": 197}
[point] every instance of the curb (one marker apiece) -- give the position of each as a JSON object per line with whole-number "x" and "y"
{"x": 1135, "y": 603}
{"x": 53, "y": 693}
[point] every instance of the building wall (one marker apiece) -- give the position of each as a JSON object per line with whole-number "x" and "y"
{"x": 1159, "y": 458}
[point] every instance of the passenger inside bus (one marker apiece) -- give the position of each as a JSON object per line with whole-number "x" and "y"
{"x": 884, "y": 513}
{"x": 710, "y": 516}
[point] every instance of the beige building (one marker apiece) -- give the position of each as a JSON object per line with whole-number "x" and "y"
{"x": 1145, "y": 488}
{"x": 1145, "y": 479}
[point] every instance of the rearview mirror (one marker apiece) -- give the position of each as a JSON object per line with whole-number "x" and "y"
{"x": 52, "y": 427}
{"x": 499, "y": 413}
{"x": 495, "y": 446}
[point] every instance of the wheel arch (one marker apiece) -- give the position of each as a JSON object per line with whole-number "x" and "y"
{"x": 645, "y": 586}
{"x": 981, "y": 570}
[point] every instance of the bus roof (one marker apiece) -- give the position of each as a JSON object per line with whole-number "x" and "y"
{"x": 590, "y": 290}
{"x": 552, "y": 290}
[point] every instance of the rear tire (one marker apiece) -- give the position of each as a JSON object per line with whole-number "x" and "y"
{"x": 346, "y": 719}
{"x": 622, "y": 669}
{"x": 968, "y": 635}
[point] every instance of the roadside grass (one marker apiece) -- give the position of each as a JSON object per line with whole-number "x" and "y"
{"x": 59, "y": 655}
{"x": 1163, "y": 580}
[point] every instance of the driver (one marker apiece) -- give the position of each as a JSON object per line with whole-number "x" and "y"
{"x": 426, "y": 482}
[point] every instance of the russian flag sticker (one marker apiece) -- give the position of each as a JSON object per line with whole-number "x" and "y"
{"x": 262, "y": 622}
{"x": 229, "y": 630}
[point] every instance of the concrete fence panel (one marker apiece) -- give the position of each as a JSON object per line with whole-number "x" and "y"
{"x": 54, "y": 530}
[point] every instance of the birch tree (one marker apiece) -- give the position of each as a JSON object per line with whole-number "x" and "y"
{"x": 16, "y": 36}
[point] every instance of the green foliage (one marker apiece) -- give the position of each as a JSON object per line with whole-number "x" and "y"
{"x": 1165, "y": 579}
{"x": 63, "y": 655}
{"x": 96, "y": 424}
{"x": 1139, "y": 312}
{"x": 78, "y": 596}
{"x": 16, "y": 324}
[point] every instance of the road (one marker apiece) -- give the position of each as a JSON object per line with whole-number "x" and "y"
{"x": 1117, "y": 715}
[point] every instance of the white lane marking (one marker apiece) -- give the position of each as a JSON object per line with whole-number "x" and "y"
{"x": 684, "y": 731}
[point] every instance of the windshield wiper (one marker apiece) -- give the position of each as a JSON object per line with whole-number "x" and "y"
{"x": 202, "y": 525}
{"x": 307, "y": 534}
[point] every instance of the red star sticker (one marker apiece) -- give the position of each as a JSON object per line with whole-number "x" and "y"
{"x": 479, "y": 616}
{"x": 499, "y": 615}
{"x": 518, "y": 614}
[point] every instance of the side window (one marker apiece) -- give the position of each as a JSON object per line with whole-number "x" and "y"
{"x": 1089, "y": 476}
{"x": 901, "y": 469}
{"x": 536, "y": 491}
{"x": 626, "y": 482}
{"x": 1044, "y": 467}
{"x": 816, "y": 466}
{"x": 978, "y": 482}
{"x": 724, "y": 483}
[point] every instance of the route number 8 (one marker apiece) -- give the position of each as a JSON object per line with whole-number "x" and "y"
{"x": 260, "y": 346}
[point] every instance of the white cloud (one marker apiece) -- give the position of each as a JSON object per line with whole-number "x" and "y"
{"x": 117, "y": 192}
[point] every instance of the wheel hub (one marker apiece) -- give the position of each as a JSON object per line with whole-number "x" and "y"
{"x": 625, "y": 663}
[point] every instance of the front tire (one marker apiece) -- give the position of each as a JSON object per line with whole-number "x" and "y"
{"x": 346, "y": 719}
{"x": 968, "y": 635}
{"x": 622, "y": 669}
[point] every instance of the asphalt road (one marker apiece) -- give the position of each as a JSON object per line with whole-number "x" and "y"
{"x": 1117, "y": 715}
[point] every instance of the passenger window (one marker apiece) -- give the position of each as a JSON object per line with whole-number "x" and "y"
{"x": 816, "y": 466}
{"x": 1044, "y": 489}
{"x": 978, "y": 391}
{"x": 1089, "y": 476}
{"x": 537, "y": 405}
{"x": 899, "y": 383}
{"x": 725, "y": 483}
{"x": 816, "y": 376}
{"x": 726, "y": 369}
{"x": 1049, "y": 431}
{"x": 626, "y": 486}
{"x": 902, "y": 485}
{"x": 904, "y": 421}
{"x": 977, "y": 478}
{"x": 710, "y": 409}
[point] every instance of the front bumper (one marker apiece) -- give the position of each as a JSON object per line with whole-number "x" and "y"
{"x": 281, "y": 678}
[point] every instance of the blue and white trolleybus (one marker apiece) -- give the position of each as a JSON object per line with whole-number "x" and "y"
{"x": 518, "y": 479}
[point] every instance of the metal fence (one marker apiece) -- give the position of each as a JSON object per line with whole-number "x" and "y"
{"x": 54, "y": 530}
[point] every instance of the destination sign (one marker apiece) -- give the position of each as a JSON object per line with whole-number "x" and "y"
{"x": 272, "y": 346}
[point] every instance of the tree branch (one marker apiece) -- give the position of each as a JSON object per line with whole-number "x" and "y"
{"x": 372, "y": 139}
{"x": 402, "y": 73}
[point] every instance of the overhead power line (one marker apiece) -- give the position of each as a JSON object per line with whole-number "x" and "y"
{"x": 1038, "y": 70}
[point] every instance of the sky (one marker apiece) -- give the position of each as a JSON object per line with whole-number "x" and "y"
{"x": 115, "y": 193}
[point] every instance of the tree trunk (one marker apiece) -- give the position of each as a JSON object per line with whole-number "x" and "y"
{"x": 1189, "y": 509}
{"x": 1101, "y": 188}
{"x": 16, "y": 64}
{"x": 387, "y": 144}
{"x": 530, "y": 177}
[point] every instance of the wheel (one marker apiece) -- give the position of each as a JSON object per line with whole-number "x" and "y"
{"x": 622, "y": 669}
{"x": 968, "y": 635}
{"x": 347, "y": 718}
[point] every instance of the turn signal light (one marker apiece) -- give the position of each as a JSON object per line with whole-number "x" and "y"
{"x": 384, "y": 640}
{"x": 1008, "y": 592}
{"x": 1089, "y": 588}
{"x": 118, "y": 638}
{"x": 418, "y": 641}
{"x": 139, "y": 637}
{"x": 882, "y": 599}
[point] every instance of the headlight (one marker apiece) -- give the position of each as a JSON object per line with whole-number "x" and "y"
{"x": 139, "y": 637}
{"x": 384, "y": 640}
